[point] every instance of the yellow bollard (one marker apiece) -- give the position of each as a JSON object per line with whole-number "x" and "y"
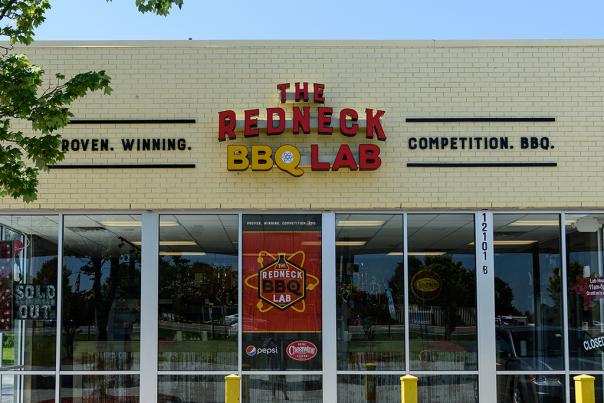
{"x": 409, "y": 389}
{"x": 232, "y": 385}
{"x": 584, "y": 389}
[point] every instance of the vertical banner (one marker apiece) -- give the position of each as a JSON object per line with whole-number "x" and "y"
{"x": 281, "y": 320}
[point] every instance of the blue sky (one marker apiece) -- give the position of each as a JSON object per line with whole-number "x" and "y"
{"x": 324, "y": 19}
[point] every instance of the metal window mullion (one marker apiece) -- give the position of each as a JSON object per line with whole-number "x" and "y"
{"x": 59, "y": 308}
{"x": 485, "y": 304}
{"x": 102, "y": 373}
{"x": 565, "y": 305}
{"x": 406, "y": 291}
{"x": 149, "y": 321}
{"x": 329, "y": 316}
{"x": 531, "y": 372}
{"x": 386, "y": 372}
{"x": 284, "y": 372}
{"x": 217, "y": 373}
{"x": 240, "y": 295}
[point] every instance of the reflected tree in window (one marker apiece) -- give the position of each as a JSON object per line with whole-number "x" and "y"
{"x": 101, "y": 294}
{"x": 197, "y": 313}
{"x": 457, "y": 289}
{"x": 504, "y": 297}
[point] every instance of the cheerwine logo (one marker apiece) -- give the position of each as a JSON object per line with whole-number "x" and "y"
{"x": 302, "y": 120}
{"x": 301, "y": 350}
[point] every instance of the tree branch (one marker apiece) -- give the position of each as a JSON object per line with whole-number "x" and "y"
{"x": 7, "y": 8}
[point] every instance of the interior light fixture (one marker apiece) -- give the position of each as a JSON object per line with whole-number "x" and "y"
{"x": 178, "y": 243}
{"x": 360, "y": 223}
{"x": 133, "y": 224}
{"x": 435, "y": 253}
{"x": 511, "y": 242}
{"x": 427, "y": 253}
{"x": 351, "y": 243}
{"x": 171, "y": 243}
{"x": 182, "y": 253}
{"x": 121, "y": 223}
{"x": 539, "y": 223}
{"x": 518, "y": 242}
{"x": 588, "y": 224}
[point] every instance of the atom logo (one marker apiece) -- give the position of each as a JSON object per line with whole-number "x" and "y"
{"x": 282, "y": 283}
{"x": 287, "y": 157}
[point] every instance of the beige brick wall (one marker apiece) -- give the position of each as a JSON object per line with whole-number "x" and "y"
{"x": 154, "y": 80}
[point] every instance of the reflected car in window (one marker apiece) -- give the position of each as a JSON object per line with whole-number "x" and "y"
{"x": 516, "y": 347}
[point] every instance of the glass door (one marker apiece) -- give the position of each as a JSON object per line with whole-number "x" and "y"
{"x": 281, "y": 309}
{"x": 528, "y": 296}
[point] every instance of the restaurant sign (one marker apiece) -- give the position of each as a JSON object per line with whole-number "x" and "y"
{"x": 302, "y": 120}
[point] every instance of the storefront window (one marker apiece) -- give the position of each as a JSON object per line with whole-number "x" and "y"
{"x": 190, "y": 389}
{"x": 281, "y": 340}
{"x": 100, "y": 329}
{"x": 282, "y": 389}
{"x": 538, "y": 388}
{"x": 370, "y": 292}
{"x": 442, "y": 292}
{"x": 387, "y": 388}
{"x": 368, "y": 388}
{"x": 585, "y": 274}
{"x": 27, "y": 389}
{"x": 100, "y": 389}
{"x": 198, "y": 319}
{"x": 28, "y": 293}
{"x": 528, "y": 295}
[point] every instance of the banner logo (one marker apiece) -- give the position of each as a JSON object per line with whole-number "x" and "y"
{"x": 282, "y": 283}
{"x": 426, "y": 284}
{"x": 301, "y": 350}
{"x": 250, "y": 351}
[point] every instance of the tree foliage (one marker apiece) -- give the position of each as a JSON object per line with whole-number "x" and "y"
{"x": 28, "y": 95}
{"x": 160, "y": 7}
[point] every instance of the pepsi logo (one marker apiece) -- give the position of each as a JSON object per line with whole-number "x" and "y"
{"x": 250, "y": 350}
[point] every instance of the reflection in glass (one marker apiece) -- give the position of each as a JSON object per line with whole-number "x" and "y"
{"x": 101, "y": 293}
{"x": 368, "y": 388}
{"x": 370, "y": 300}
{"x": 585, "y": 276}
{"x": 190, "y": 389}
{"x": 198, "y": 292}
{"x": 282, "y": 389}
{"x": 100, "y": 389}
{"x": 528, "y": 292}
{"x": 28, "y": 297}
{"x": 442, "y": 297}
{"x": 448, "y": 388}
{"x": 27, "y": 388}
{"x": 387, "y": 388}
{"x": 530, "y": 388}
